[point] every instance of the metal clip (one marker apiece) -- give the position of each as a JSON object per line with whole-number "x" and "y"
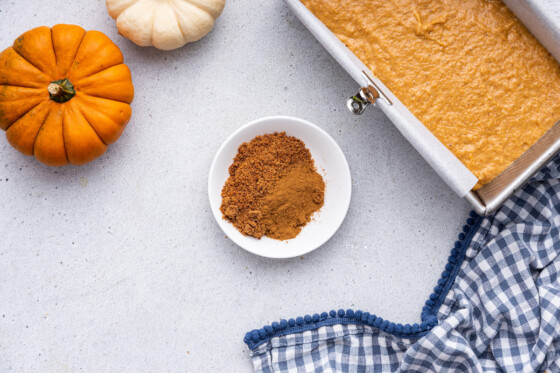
{"x": 366, "y": 96}
{"x": 358, "y": 103}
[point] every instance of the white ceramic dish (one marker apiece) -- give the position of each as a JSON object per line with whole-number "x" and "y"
{"x": 331, "y": 164}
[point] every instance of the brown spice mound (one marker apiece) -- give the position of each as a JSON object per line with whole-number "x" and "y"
{"x": 273, "y": 187}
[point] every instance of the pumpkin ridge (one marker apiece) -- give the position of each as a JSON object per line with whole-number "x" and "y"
{"x": 79, "y": 109}
{"x": 72, "y": 113}
{"x": 75, "y": 54}
{"x": 18, "y": 85}
{"x": 202, "y": 5}
{"x": 38, "y": 132}
{"x": 96, "y": 72}
{"x": 183, "y": 9}
{"x": 63, "y": 137}
{"x": 177, "y": 19}
{"x": 78, "y": 81}
{"x": 24, "y": 126}
{"x": 122, "y": 10}
{"x": 148, "y": 22}
{"x": 7, "y": 70}
{"x": 98, "y": 96}
{"x": 124, "y": 102}
{"x": 92, "y": 127}
{"x": 152, "y": 21}
{"x": 128, "y": 6}
{"x": 54, "y": 50}
{"x": 29, "y": 62}
{"x": 83, "y": 104}
{"x": 11, "y": 124}
{"x": 18, "y": 101}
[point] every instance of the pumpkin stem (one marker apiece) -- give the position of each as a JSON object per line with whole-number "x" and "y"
{"x": 61, "y": 91}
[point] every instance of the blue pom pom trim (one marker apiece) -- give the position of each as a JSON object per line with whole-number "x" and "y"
{"x": 256, "y": 337}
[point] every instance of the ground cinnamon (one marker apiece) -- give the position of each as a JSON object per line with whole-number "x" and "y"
{"x": 273, "y": 187}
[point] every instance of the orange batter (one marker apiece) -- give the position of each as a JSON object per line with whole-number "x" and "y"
{"x": 467, "y": 69}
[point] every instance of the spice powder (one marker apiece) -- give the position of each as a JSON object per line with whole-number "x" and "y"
{"x": 273, "y": 187}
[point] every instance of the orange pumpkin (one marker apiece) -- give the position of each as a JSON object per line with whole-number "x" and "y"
{"x": 65, "y": 94}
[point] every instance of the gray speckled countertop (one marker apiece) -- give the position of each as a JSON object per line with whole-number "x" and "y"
{"x": 119, "y": 265}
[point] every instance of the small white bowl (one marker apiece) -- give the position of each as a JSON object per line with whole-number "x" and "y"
{"x": 330, "y": 163}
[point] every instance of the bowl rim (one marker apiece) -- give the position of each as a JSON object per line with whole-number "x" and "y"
{"x": 335, "y": 147}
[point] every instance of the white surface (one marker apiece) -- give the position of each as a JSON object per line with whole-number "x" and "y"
{"x": 446, "y": 165}
{"x": 119, "y": 265}
{"x": 330, "y": 163}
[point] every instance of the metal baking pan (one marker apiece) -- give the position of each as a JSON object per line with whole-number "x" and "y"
{"x": 533, "y": 14}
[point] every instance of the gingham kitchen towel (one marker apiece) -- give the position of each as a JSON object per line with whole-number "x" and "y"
{"x": 496, "y": 307}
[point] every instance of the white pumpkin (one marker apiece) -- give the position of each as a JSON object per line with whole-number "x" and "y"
{"x": 165, "y": 24}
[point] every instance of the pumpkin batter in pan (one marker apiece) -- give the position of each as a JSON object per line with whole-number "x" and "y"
{"x": 467, "y": 69}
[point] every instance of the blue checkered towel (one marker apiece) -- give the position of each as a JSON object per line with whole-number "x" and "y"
{"x": 496, "y": 307}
